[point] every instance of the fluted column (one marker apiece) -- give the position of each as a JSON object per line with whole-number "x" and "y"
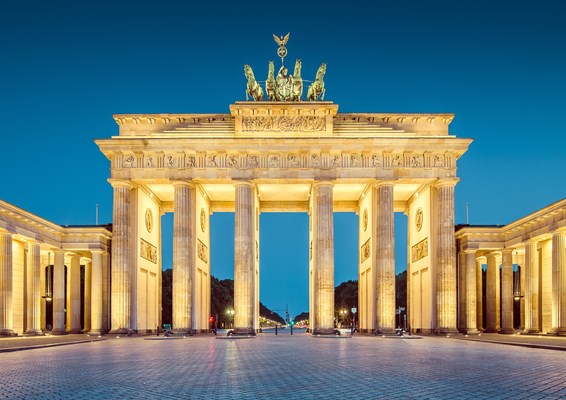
{"x": 59, "y": 293}
{"x": 385, "y": 258}
{"x": 323, "y": 255}
{"x": 559, "y": 283}
{"x": 121, "y": 274}
{"x": 244, "y": 259}
{"x": 471, "y": 292}
{"x": 446, "y": 295}
{"x": 96, "y": 293}
{"x": 491, "y": 303}
{"x": 33, "y": 294}
{"x": 183, "y": 255}
{"x": 75, "y": 301}
{"x": 507, "y": 291}
{"x": 532, "y": 322}
{"x": 6, "y": 284}
{"x": 479, "y": 292}
{"x": 87, "y": 295}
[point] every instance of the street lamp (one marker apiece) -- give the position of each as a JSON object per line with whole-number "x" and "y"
{"x": 230, "y": 313}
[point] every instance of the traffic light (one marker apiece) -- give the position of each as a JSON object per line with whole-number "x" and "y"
{"x": 211, "y": 319}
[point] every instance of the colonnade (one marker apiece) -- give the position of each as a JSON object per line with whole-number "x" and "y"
{"x": 541, "y": 292}
{"x": 246, "y": 257}
{"x": 30, "y": 314}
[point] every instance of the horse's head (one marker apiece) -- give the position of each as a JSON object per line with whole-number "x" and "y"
{"x": 270, "y": 70}
{"x": 322, "y": 69}
{"x": 248, "y": 72}
{"x": 298, "y": 65}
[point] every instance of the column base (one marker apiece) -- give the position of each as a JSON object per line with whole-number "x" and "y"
{"x": 121, "y": 331}
{"x": 472, "y": 332}
{"x": 34, "y": 332}
{"x": 243, "y": 332}
{"x": 506, "y": 331}
{"x": 385, "y": 332}
{"x": 325, "y": 331}
{"x": 75, "y": 331}
{"x": 59, "y": 331}
{"x": 8, "y": 332}
{"x": 490, "y": 330}
{"x": 557, "y": 332}
{"x": 447, "y": 331}
{"x": 531, "y": 331}
{"x": 95, "y": 333}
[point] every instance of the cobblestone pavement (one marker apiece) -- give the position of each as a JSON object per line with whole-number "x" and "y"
{"x": 536, "y": 341}
{"x": 283, "y": 366}
{"x": 31, "y": 342}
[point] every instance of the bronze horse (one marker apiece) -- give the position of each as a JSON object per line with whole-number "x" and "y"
{"x": 317, "y": 87}
{"x": 253, "y": 88}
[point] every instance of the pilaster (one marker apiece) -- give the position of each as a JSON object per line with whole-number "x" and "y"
{"x": 507, "y": 291}
{"x": 323, "y": 265}
{"x": 33, "y": 293}
{"x": 385, "y": 258}
{"x": 121, "y": 258}
{"x": 244, "y": 271}
{"x": 6, "y": 284}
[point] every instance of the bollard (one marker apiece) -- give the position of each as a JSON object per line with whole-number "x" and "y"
{"x": 157, "y": 330}
{"x": 276, "y": 329}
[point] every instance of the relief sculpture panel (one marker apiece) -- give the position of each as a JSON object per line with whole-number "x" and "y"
{"x": 420, "y": 250}
{"x": 284, "y": 123}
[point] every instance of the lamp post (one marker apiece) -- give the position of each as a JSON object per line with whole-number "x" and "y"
{"x": 230, "y": 314}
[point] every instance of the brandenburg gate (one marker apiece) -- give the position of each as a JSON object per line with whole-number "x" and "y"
{"x": 283, "y": 156}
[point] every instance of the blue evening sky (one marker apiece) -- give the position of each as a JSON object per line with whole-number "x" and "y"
{"x": 67, "y": 66}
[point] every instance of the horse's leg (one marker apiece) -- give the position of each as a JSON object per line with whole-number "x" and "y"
{"x": 323, "y": 92}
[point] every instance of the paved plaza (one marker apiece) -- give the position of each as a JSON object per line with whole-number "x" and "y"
{"x": 283, "y": 366}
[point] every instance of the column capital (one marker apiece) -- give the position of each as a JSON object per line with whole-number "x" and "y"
{"x": 507, "y": 251}
{"x": 378, "y": 184}
{"x": 189, "y": 184}
{"x": 469, "y": 251}
{"x": 558, "y": 232}
{"x": 97, "y": 251}
{"x": 5, "y": 232}
{"x": 481, "y": 259}
{"x": 237, "y": 182}
{"x": 121, "y": 183}
{"x": 445, "y": 182}
{"x": 323, "y": 183}
{"x": 57, "y": 250}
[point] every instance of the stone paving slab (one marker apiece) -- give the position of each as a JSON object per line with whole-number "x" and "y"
{"x": 283, "y": 366}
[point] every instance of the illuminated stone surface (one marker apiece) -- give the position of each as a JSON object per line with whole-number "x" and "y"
{"x": 535, "y": 248}
{"x": 290, "y": 367}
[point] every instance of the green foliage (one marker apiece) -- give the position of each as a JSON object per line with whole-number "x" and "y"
{"x": 167, "y": 296}
{"x": 346, "y": 295}
{"x": 221, "y": 299}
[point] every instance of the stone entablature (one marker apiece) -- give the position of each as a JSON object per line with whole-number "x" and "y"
{"x": 538, "y": 224}
{"x": 23, "y": 224}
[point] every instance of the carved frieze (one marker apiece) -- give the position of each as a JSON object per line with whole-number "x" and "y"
{"x": 420, "y": 250}
{"x": 129, "y": 161}
{"x": 376, "y": 160}
{"x": 148, "y": 251}
{"x": 191, "y": 161}
{"x": 171, "y": 161}
{"x": 366, "y": 250}
{"x": 202, "y": 251}
{"x": 283, "y": 123}
{"x": 232, "y": 161}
